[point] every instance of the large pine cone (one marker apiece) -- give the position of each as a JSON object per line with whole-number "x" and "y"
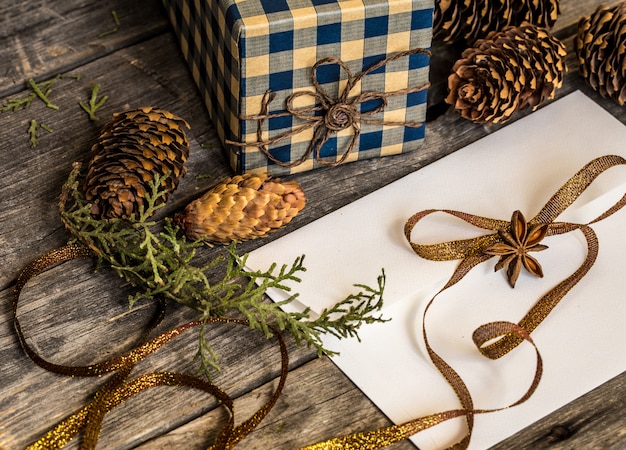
{"x": 469, "y": 20}
{"x": 600, "y": 45}
{"x": 511, "y": 70}
{"x": 131, "y": 150}
{"x": 241, "y": 208}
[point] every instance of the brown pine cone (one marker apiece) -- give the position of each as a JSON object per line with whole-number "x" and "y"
{"x": 469, "y": 20}
{"x": 510, "y": 70}
{"x": 243, "y": 207}
{"x": 131, "y": 150}
{"x": 600, "y": 46}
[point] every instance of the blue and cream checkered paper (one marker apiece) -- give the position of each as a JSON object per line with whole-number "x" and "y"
{"x": 238, "y": 49}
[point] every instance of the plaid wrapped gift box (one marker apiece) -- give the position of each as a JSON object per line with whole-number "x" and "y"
{"x": 292, "y": 85}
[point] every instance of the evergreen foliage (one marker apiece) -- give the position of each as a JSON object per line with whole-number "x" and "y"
{"x": 161, "y": 262}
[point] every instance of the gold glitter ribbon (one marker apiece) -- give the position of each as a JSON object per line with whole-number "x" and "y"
{"x": 509, "y": 335}
{"x": 120, "y": 388}
{"x": 469, "y": 251}
{"x": 329, "y": 115}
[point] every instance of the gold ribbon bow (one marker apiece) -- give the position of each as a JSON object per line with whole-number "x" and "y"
{"x": 328, "y": 115}
{"x": 509, "y": 335}
{"x": 120, "y": 388}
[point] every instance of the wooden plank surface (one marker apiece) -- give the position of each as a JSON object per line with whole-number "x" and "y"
{"x": 74, "y": 316}
{"x": 43, "y": 38}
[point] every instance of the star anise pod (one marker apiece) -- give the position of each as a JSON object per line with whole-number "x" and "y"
{"x": 515, "y": 245}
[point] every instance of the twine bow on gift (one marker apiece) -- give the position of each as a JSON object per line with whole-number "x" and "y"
{"x": 329, "y": 115}
{"x": 511, "y": 241}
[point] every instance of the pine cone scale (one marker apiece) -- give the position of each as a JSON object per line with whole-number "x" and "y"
{"x": 132, "y": 149}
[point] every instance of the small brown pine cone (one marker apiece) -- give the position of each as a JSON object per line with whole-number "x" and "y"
{"x": 513, "y": 69}
{"x": 241, "y": 208}
{"x": 132, "y": 149}
{"x": 600, "y": 46}
{"x": 469, "y": 20}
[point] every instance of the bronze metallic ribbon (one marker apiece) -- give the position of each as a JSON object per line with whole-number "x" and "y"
{"x": 471, "y": 252}
{"x": 329, "y": 115}
{"x": 119, "y": 388}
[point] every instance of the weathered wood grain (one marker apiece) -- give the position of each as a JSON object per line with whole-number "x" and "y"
{"x": 74, "y": 316}
{"x": 305, "y": 414}
{"x": 31, "y": 178}
{"x": 595, "y": 420}
{"x": 40, "y": 172}
{"x": 309, "y": 412}
{"x": 39, "y": 39}
{"x": 573, "y": 10}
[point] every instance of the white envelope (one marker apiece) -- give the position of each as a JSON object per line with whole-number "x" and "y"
{"x": 518, "y": 167}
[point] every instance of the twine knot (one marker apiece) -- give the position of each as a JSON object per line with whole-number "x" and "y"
{"x": 340, "y": 116}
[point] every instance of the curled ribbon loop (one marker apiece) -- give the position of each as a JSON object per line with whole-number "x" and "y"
{"x": 472, "y": 251}
{"x": 328, "y": 115}
{"x": 507, "y": 335}
{"x": 120, "y": 388}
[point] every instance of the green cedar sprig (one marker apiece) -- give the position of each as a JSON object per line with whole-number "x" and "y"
{"x": 43, "y": 94}
{"x": 33, "y": 131}
{"x": 158, "y": 262}
{"x": 155, "y": 259}
{"x": 94, "y": 103}
{"x": 37, "y": 90}
{"x": 16, "y": 103}
{"x": 41, "y": 91}
{"x": 117, "y": 22}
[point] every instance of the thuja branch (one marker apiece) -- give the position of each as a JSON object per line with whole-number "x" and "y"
{"x": 16, "y": 103}
{"x": 94, "y": 103}
{"x": 117, "y": 22}
{"x": 42, "y": 94}
{"x": 37, "y": 90}
{"x": 160, "y": 262}
{"x": 40, "y": 90}
{"x": 33, "y": 131}
{"x": 342, "y": 320}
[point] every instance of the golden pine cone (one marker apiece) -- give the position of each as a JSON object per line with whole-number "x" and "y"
{"x": 469, "y": 20}
{"x": 600, "y": 46}
{"x": 131, "y": 150}
{"x": 510, "y": 70}
{"x": 243, "y": 207}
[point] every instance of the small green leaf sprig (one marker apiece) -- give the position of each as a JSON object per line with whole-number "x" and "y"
{"x": 161, "y": 263}
{"x": 117, "y": 22}
{"x": 42, "y": 90}
{"x": 39, "y": 90}
{"x": 95, "y": 103}
{"x": 34, "y": 128}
